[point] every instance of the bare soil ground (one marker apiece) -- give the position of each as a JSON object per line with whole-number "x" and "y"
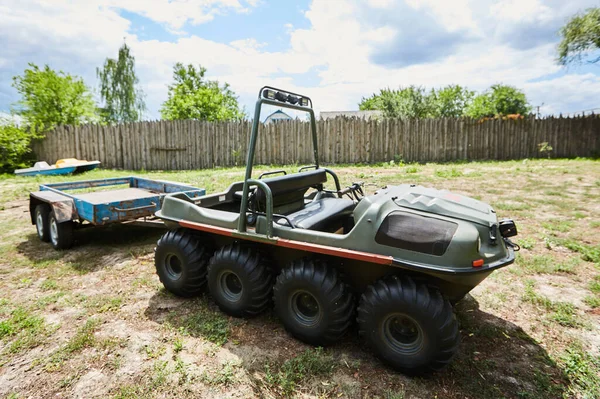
{"x": 94, "y": 321}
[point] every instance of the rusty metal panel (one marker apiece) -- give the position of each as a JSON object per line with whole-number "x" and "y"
{"x": 63, "y": 207}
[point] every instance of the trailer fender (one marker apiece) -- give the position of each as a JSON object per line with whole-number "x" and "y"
{"x": 63, "y": 207}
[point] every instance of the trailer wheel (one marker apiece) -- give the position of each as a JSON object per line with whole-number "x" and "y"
{"x": 42, "y": 212}
{"x": 313, "y": 303}
{"x": 180, "y": 260}
{"x": 61, "y": 234}
{"x": 411, "y": 327}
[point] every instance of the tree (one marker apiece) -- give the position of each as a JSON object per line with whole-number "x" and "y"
{"x": 408, "y": 102}
{"x": 414, "y": 102}
{"x": 15, "y": 150}
{"x": 193, "y": 97}
{"x": 50, "y": 98}
{"x": 450, "y": 101}
{"x": 580, "y": 36}
{"x": 123, "y": 99}
{"x": 499, "y": 100}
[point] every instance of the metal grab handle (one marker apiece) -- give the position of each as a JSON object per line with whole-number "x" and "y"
{"x": 271, "y": 173}
{"x": 139, "y": 208}
{"x": 269, "y": 202}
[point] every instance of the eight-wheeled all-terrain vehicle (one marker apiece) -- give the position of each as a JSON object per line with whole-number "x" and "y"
{"x": 394, "y": 261}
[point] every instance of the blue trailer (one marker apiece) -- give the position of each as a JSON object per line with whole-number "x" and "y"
{"x": 58, "y": 209}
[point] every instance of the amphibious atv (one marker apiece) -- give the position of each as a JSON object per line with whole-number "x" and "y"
{"x": 394, "y": 261}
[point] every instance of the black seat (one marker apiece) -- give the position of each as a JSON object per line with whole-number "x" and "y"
{"x": 290, "y": 189}
{"x": 317, "y": 214}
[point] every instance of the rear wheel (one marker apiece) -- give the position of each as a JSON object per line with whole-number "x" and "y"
{"x": 313, "y": 303}
{"x": 410, "y": 326}
{"x": 240, "y": 281}
{"x": 61, "y": 234}
{"x": 42, "y": 212}
{"x": 181, "y": 259}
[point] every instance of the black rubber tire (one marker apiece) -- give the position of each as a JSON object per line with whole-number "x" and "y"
{"x": 41, "y": 215}
{"x": 322, "y": 319}
{"x": 430, "y": 327}
{"x": 240, "y": 280}
{"x": 181, "y": 260}
{"x": 61, "y": 234}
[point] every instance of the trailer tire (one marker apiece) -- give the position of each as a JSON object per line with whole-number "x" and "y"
{"x": 240, "y": 281}
{"x": 313, "y": 303}
{"x": 61, "y": 234}
{"x": 41, "y": 215}
{"x": 410, "y": 326}
{"x": 180, "y": 260}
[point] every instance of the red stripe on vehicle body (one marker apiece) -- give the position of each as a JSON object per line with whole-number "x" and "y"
{"x": 208, "y": 228}
{"x": 304, "y": 246}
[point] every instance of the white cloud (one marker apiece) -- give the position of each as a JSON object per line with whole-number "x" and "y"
{"x": 355, "y": 48}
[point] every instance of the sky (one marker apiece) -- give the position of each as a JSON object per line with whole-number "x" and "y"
{"x": 334, "y": 51}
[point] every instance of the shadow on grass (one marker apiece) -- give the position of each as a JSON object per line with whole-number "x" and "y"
{"x": 94, "y": 248}
{"x": 497, "y": 359}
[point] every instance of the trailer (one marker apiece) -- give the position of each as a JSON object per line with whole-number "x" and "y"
{"x": 58, "y": 209}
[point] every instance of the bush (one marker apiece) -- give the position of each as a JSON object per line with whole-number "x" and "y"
{"x": 15, "y": 150}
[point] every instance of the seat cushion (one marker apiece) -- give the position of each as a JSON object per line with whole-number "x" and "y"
{"x": 318, "y": 213}
{"x": 288, "y": 189}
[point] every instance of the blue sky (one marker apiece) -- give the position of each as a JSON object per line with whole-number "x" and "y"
{"x": 336, "y": 51}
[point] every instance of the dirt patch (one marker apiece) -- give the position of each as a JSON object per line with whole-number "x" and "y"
{"x": 142, "y": 342}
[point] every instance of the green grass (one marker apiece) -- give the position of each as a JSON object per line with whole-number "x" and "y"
{"x": 448, "y": 173}
{"x": 590, "y": 253}
{"x": 561, "y": 226}
{"x": 592, "y": 301}
{"x": 583, "y": 370}
{"x": 222, "y": 377}
{"x": 546, "y": 264}
{"x": 205, "y": 322}
{"x": 83, "y": 338}
{"x": 22, "y": 330}
{"x": 312, "y": 363}
{"x": 511, "y": 206}
{"x": 563, "y": 313}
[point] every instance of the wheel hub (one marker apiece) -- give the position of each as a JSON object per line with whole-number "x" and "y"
{"x": 403, "y": 334}
{"x": 305, "y": 307}
{"x": 230, "y": 285}
{"x": 173, "y": 266}
{"x": 53, "y": 231}
{"x": 39, "y": 224}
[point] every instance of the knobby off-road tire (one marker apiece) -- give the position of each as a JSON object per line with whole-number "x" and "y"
{"x": 181, "y": 259}
{"x": 61, "y": 234}
{"x": 41, "y": 214}
{"x": 313, "y": 303}
{"x": 410, "y": 326}
{"x": 240, "y": 280}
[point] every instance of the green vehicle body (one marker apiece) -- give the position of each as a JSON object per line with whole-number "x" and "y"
{"x": 447, "y": 240}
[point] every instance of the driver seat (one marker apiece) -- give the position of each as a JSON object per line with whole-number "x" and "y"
{"x": 317, "y": 214}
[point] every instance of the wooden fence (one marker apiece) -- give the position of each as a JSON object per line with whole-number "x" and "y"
{"x": 180, "y": 145}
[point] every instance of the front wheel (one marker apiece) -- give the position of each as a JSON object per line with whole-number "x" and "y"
{"x": 61, "y": 234}
{"x": 410, "y": 326}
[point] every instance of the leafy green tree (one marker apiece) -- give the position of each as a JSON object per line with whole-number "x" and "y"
{"x": 50, "y": 98}
{"x": 14, "y": 146}
{"x": 123, "y": 99}
{"x": 414, "y": 102}
{"x": 450, "y": 101}
{"x": 580, "y": 36}
{"x": 499, "y": 100}
{"x": 193, "y": 97}
{"x": 408, "y": 102}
